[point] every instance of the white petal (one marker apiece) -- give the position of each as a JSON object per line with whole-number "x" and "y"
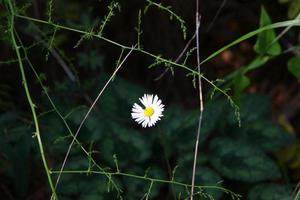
{"x": 135, "y": 115}
{"x": 155, "y": 100}
{"x": 150, "y": 98}
{"x": 145, "y": 123}
{"x": 136, "y": 108}
{"x": 144, "y": 100}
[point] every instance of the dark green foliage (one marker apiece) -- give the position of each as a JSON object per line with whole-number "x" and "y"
{"x": 270, "y": 192}
{"x": 122, "y": 158}
{"x": 294, "y": 67}
{"x": 205, "y": 177}
{"x": 240, "y": 154}
{"x": 84, "y": 187}
{"x": 92, "y": 59}
{"x": 212, "y": 117}
{"x": 252, "y": 108}
{"x": 240, "y": 161}
{"x": 266, "y": 135}
{"x": 16, "y": 147}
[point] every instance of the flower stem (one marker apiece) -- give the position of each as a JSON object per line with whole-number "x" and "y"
{"x": 11, "y": 10}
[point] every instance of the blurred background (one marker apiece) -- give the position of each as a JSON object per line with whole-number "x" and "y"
{"x": 258, "y": 160}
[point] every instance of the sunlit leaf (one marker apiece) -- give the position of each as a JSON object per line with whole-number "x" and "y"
{"x": 294, "y": 9}
{"x": 266, "y": 43}
{"x": 241, "y": 82}
{"x": 294, "y": 22}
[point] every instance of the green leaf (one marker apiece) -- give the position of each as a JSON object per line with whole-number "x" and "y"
{"x": 284, "y": 1}
{"x": 138, "y": 188}
{"x": 240, "y": 161}
{"x": 266, "y": 43}
{"x": 107, "y": 146}
{"x": 294, "y": 22}
{"x": 294, "y": 9}
{"x": 270, "y": 192}
{"x": 92, "y": 59}
{"x": 137, "y": 145}
{"x": 7, "y": 119}
{"x": 123, "y": 141}
{"x": 294, "y": 67}
{"x": 208, "y": 176}
{"x": 256, "y": 63}
{"x": 262, "y": 110}
{"x": 84, "y": 186}
{"x": 266, "y": 135}
{"x": 182, "y": 124}
{"x": 118, "y": 98}
{"x": 240, "y": 83}
{"x": 204, "y": 176}
{"x": 16, "y": 144}
{"x": 212, "y": 114}
{"x": 179, "y": 120}
{"x": 127, "y": 92}
{"x": 95, "y": 196}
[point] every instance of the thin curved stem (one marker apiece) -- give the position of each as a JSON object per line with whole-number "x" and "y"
{"x": 28, "y": 95}
{"x": 146, "y": 178}
{"x": 87, "y": 114}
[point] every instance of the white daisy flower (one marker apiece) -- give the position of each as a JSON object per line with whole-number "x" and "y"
{"x": 151, "y": 113}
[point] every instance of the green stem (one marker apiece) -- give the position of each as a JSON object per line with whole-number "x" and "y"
{"x": 27, "y": 92}
{"x": 294, "y": 22}
{"x": 163, "y": 60}
{"x": 154, "y": 180}
{"x": 163, "y": 146}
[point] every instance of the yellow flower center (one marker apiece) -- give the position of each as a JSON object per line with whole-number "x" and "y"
{"x": 148, "y": 112}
